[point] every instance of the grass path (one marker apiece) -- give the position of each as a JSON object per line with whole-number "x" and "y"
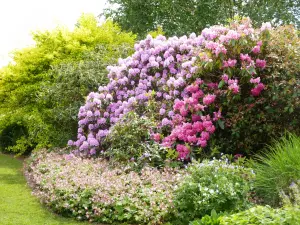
{"x": 17, "y": 205}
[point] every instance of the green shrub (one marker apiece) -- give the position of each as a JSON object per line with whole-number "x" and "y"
{"x": 130, "y": 141}
{"x": 252, "y": 123}
{"x": 212, "y": 185}
{"x": 212, "y": 219}
{"x": 44, "y": 87}
{"x": 277, "y": 169}
{"x": 264, "y": 215}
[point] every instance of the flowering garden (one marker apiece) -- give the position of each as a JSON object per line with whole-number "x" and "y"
{"x": 199, "y": 129}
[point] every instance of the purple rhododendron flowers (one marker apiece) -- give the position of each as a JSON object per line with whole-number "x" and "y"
{"x": 166, "y": 71}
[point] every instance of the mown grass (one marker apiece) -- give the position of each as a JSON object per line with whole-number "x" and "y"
{"x": 17, "y": 205}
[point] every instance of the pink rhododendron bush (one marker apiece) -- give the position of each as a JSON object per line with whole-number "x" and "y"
{"x": 226, "y": 88}
{"x": 89, "y": 189}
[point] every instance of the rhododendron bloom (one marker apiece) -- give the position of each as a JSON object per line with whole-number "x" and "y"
{"x": 183, "y": 151}
{"x": 234, "y": 87}
{"x": 256, "y": 49}
{"x": 229, "y": 63}
{"x": 261, "y": 63}
{"x": 225, "y": 77}
{"x": 209, "y": 99}
{"x": 255, "y": 80}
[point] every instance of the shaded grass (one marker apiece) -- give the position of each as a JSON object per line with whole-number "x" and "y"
{"x": 17, "y": 205}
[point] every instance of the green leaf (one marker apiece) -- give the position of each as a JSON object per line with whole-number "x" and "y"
{"x": 221, "y": 84}
{"x": 221, "y": 124}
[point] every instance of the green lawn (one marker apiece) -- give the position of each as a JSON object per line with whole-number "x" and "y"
{"x": 17, "y": 205}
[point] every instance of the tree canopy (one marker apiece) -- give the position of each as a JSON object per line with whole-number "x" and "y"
{"x": 178, "y": 17}
{"x": 27, "y": 102}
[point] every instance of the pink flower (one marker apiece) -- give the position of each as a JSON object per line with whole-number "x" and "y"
{"x": 229, "y": 63}
{"x": 195, "y": 118}
{"x": 245, "y": 57}
{"x": 211, "y": 129}
{"x": 192, "y": 139}
{"x": 207, "y": 124}
{"x": 261, "y": 63}
{"x": 183, "y": 111}
{"x": 234, "y": 87}
{"x": 205, "y": 135}
{"x": 202, "y": 143}
{"x": 156, "y": 137}
{"x": 209, "y": 99}
{"x": 198, "y": 126}
{"x": 255, "y": 81}
{"x": 258, "y": 89}
{"x": 225, "y": 77}
{"x": 259, "y": 43}
{"x": 183, "y": 151}
{"x": 256, "y": 49}
{"x": 217, "y": 115}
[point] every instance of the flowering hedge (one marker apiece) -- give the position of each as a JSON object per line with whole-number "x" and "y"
{"x": 188, "y": 85}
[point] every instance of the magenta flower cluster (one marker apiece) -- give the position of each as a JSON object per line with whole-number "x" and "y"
{"x": 168, "y": 72}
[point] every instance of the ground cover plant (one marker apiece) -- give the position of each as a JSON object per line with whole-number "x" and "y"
{"x": 90, "y": 189}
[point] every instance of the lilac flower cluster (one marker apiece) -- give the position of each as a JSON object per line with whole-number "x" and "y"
{"x": 167, "y": 71}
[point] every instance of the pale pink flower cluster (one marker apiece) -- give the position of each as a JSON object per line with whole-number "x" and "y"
{"x": 62, "y": 182}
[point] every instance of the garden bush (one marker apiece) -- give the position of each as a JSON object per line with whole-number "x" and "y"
{"x": 44, "y": 87}
{"x": 212, "y": 185}
{"x": 264, "y": 215}
{"x": 217, "y": 86}
{"x": 277, "y": 169}
{"x": 90, "y": 189}
{"x": 135, "y": 145}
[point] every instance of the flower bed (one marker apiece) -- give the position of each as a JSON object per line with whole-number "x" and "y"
{"x": 89, "y": 189}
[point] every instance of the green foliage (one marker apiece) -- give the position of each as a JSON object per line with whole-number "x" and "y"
{"x": 129, "y": 140}
{"x": 264, "y": 215}
{"x": 178, "y": 17}
{"x": 42, "y": 90}
{"x": 72, "y": 81}
{"x": 212, "y": 219}
{"x": 251, "y": 123}
{"x": 277, "y": 169}
{"x": 212, "y": 185}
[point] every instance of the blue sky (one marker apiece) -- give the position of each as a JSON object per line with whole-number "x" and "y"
{"x": 19, "y": 17}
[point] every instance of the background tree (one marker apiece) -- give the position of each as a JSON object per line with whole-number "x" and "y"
{"x": 31, "y": 86}
{"x": 178, "y": 17}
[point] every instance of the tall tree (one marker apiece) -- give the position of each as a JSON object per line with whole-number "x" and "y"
{"x": 178, "y": 17}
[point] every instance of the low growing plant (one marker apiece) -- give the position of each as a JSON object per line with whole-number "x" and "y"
{"x": 264, "y": 215}
{"x": 90, "y": 189}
